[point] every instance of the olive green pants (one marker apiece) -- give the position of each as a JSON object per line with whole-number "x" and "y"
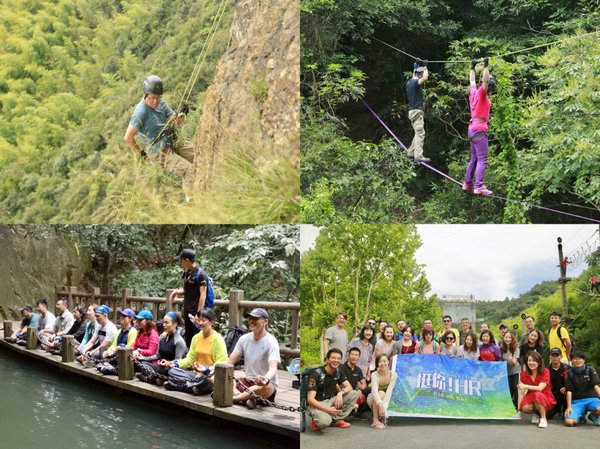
{"x": 323, "y": 419}
{"x": 178, "y": 160}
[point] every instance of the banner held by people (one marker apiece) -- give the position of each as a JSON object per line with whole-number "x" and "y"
{"x": 437, "y": 386}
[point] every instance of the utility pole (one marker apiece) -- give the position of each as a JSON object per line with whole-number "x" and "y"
{"x": 562, "y": 263}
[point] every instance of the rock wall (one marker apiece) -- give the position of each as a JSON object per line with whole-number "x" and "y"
{"x": 255, "y": 99}
{"x": 31, "y": 265}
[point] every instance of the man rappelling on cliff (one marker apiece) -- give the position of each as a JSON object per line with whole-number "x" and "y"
{"x": 155, "y": 122}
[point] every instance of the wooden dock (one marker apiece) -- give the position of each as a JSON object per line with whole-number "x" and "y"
{"x": 265, "y": 418}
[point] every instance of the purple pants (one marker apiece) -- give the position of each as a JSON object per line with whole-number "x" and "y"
{"x": 479, "y": 157}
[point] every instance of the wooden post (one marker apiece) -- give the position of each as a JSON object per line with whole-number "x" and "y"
{"x": 8, "y": 329}
{"x": 562, "y": 264}
{"x": 31, "y": 338}
{"x": 223, "y": 389}
{"x": 295, "y": 326}
{"x": 126, "y": 293}
{"x": 235, "y": 317}
{"x": 125, "y": 364}
{"x": 168, "y": 303}
{"x": 95, "y": 292}
{"x": 70, "y": 300}
{"x": 67, "y": 350}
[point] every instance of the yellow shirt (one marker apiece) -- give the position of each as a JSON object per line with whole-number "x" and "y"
{"x": 204, "y": 354}
{"x": 555, "y": 341}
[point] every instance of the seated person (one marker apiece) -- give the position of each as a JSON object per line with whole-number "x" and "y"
{"x": 146, "y": 341}
{"x": 583, "y": 391}
{"x": 125, "y": 337}
{"x": 193, "y": 374}
{"x": 330, "y": 396}
{"x": 91, "y": 328}
{"x": 46, "y": 319}
{"x": 103, "y": 338}
{"x": 77, "y": 330}
{"x": 260, "y": 351}
{"x": 171, "y": 346}
{"x": 64, "y": 321}
{"x": 558, "y": 377}
{"x": 28, "y": 319}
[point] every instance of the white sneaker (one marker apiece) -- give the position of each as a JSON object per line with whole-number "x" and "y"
{"x": 543, "y": 423}
{"x": 535, "y": 419}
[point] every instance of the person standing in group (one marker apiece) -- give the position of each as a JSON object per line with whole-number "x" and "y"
{"x": 416, "y": 114}
{"x": 488, "y": 350}
{"x": 365, "y": 343}
{"x": 470, "y": 349}
{"x": 194, "y": 290}
{"x": 336, "y": 336}
{"x": 408, "y": 345}
{"x": 480, "y": 106}
{"x": 447, "y": 323}
{"x": 535, "y": 395}
{"x": 529, "y": 324}
{"x": 448, "y": 344}
{"x": 428, "y": 345}
{"x": 511, "y": 354}
{"x": 558, "y": 337}
{"x": 533, "y": 345}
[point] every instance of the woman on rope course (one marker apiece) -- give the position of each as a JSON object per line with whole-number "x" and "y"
{"x": 480, "y": 106}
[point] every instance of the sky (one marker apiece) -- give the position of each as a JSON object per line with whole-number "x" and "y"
{"x": 492, "y": 262}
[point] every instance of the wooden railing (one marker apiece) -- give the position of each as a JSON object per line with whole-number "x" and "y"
{"x": 235, "y": 305}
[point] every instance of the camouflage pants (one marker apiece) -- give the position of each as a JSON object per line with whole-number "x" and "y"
{"x": 178, "y": 160}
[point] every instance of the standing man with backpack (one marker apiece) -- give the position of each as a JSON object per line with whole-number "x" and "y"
{"x": 416, "y": 114}
{"x": 558, "y": 337}
{"x": 197, "y": 291}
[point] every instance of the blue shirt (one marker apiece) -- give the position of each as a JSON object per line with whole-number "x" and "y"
{"x": 150, "y": 122}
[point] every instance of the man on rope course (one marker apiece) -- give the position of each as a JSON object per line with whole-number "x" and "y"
{"x": 414, "y": 92}
{"x": 480, "y": 106}
{"x": 155, "y": 122}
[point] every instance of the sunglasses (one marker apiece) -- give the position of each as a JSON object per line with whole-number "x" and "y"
{"x": 450, "y": 338}
{"x": 446, "y": 321}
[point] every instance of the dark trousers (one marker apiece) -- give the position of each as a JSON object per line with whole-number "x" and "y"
{"x": 560, "y": 407}
{"x": 190, "y": 329}
{"x": 513, "y": 381}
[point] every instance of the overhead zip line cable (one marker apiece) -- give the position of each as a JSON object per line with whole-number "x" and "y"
{"x": 523, "y": 50}
{"x": 450, "y": 178}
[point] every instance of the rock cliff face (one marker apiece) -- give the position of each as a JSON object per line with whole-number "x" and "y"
{"x": 31, "y": 266}
{"x": 254, "y": 99}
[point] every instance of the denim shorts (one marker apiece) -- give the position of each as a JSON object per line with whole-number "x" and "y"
{"x": 582, "y": 406}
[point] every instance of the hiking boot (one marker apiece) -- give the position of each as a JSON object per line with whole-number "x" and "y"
{"x": 159, "y": 381}
{"x": 55, "y": 352}
{"x": 89, "y": 363}
{"x": 593, "y": 419}
{"x": 422, "y": 159}
{"x": 109, "y": 370}
{"x": 467, "y": 186}
{"x": 314, "y": 427}
{"x": 482, "y": 191}
{"x": 341, "y": 423}
{"x": 535, "y": 419}
{"x": 543, "y": 423}
{"x": 251, "y": 403}
{"x": 22, "y": 342}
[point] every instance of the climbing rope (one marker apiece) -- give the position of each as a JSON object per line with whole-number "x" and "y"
{"x": 450, "y": 178}
{"x": 459, "y": 61}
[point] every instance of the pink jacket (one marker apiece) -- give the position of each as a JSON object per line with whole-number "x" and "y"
{"x": 147, "y": 344}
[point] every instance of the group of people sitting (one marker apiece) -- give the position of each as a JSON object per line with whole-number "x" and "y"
{"x": 160, "y": 353}
{"x": 357, "y": 374}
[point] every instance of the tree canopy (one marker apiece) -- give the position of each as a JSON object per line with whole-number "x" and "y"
{"x": 544, "y": 136}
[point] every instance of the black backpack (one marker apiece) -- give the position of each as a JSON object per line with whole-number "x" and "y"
{"x": 231, "y": 339}
{"x": 304, "y": 393}
{"x": 573, "y": 343}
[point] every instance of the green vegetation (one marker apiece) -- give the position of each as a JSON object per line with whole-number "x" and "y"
{"x": 71, "y": 73}
{"x": 543, "y": 133}
{"x": 365, "y": 271}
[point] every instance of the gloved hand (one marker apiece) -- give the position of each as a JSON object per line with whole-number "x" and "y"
{"x": 184, "y": 109}
{"x": 485, "y": 62}
{"x": 415, "y": 65}
{"x": 473, "y": 63}
{"x": 143, "y": 154}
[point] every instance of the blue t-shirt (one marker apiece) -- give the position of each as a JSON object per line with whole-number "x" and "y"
{"x": 150, "y": 122}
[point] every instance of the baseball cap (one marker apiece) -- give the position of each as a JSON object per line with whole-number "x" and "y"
{"x": 555, "y": 351}
{"x": 503, "y": 326}
{"x": 104, "y": 310}
{"x": 257, "y": 313}
{"x": 145, "y": 315}
{"x": 187, "y": 254}
{"x": 25, "y": 307}
{"x": 128, "y": 312}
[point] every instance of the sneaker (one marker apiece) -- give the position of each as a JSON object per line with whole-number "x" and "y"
{"x": 593, "y": 419}
{"x": 535, "y": 419}
{"x": 341, "y": 423}
{"x": 543, "y": 423}
{"x": 422, "y": 159}
{"x": 251, "y": 403}
{"x": 22, "y": 342}
{"x": 482, "y": 191}
{"x": 467, "y": 186}
{"x": 314, "y": 426}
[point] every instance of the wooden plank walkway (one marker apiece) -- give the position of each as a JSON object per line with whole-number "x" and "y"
{"x": 265, "y": 418}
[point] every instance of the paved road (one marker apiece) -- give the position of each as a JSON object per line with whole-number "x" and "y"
{"x": 452, "y": 434}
